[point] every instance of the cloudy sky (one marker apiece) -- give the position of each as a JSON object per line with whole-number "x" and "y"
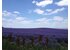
{"x": 35, "y": 14}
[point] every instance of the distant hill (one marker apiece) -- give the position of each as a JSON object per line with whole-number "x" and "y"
{"x": 60, "y": 33}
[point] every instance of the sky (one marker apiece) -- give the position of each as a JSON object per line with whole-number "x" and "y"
{"x": 35, "y": 14}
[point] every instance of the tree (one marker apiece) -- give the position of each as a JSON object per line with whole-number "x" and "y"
{"x": 46, "y": 42}
{"x": 18, "y": 40}
{"x": 10, "y": 38}
{"x": 23, "y": 41}
{"x": 32, "y": 40}
{"x": 40, "y": 39}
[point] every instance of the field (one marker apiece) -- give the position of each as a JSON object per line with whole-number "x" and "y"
{"x": 41, "y": 39}
{"x": 23, "y": 44}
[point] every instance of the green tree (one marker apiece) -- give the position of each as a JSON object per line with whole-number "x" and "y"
{"x": 46, "y": 42}
{"x": 32, "y": 40}
{"x": 18, "y": 40}
{"x": 10, "y": 38}
{"x": 40, "y": 39}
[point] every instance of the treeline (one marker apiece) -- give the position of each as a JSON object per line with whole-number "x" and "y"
{"x": 21, "y": 40}
{"x": 18, "y": 42}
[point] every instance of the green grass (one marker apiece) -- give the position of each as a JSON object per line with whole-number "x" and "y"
{"x": 6, "y": 45}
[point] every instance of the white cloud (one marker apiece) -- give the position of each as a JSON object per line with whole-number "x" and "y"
{"x": 16, "y": 23}
{"x": 8, "y": 14}
{"x": 43, "y": 3}
{"x": 20, "y": 18}
{"x": 41, "y": 19}
{"x": 23, "y": 22}
{"x": 26, "y": 22}
{"x": 55, "y": 11}
{"x": 38, "y": 11}
{"x": 48, "y": 10}
{"x": 33, "y": 1}
{"x": 62, "y": 3}
{"x": 41, "y": 22}
{"x": 58, "y": 18}
{"x": 55, "y": 22}
{"x": 16, "y": 12}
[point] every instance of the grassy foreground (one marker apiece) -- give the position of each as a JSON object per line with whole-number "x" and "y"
{"x": 6, "y": 45}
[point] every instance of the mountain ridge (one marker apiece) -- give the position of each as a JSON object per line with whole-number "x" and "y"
{"x": 37, "y": 31}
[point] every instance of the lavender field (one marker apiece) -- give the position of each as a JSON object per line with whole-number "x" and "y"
{"x": 35, "y": 39}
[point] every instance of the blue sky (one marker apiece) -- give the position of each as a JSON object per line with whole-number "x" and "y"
{"x": 35, "y": 13}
